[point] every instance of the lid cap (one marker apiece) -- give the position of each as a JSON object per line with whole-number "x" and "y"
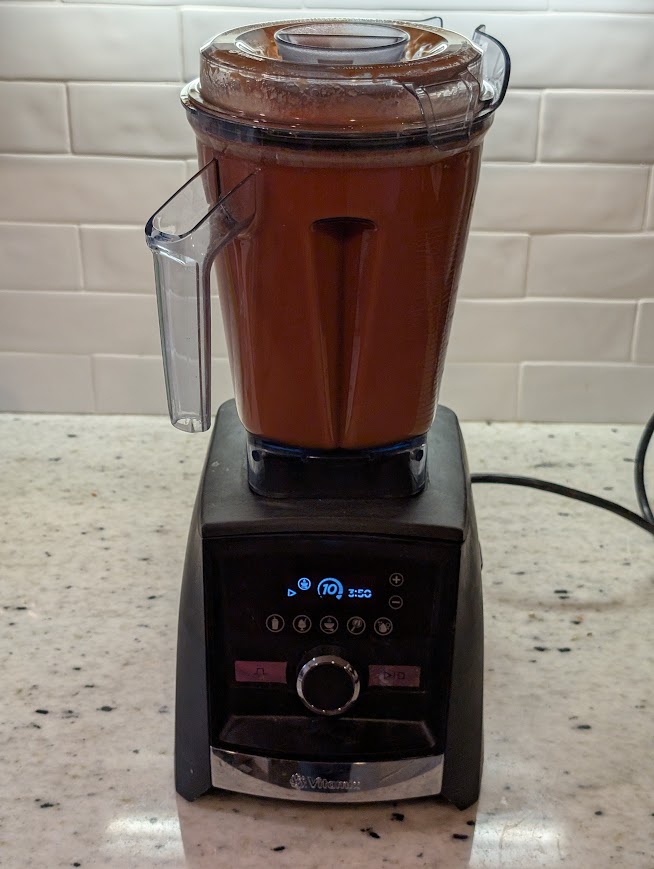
{"x": 349, "y": 43}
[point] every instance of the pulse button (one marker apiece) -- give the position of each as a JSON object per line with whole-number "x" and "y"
{"x": 260, "y": 671}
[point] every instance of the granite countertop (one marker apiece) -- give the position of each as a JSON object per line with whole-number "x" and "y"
{"x": 95, "y": 515}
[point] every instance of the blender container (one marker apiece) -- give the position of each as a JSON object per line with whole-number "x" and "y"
{"x": 340, "y": 162}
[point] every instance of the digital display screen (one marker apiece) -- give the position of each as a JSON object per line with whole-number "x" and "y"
{"x": 329, "y": 588}
{"x": 304, "y": 593}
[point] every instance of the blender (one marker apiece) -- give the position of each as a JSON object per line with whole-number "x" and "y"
{"x": 330, "y": 641}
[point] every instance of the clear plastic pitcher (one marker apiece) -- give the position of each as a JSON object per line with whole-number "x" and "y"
{"x": 340, "y": 161}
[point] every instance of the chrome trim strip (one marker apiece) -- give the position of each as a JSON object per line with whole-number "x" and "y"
{"x": 333, "y": 782}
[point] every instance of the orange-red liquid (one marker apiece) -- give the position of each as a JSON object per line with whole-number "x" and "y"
{"x": 337, "y": 299}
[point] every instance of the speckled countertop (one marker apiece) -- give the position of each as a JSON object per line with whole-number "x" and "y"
{"x": 94, "y": 520}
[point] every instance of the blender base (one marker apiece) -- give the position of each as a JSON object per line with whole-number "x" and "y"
{"x": 400, "y": 612}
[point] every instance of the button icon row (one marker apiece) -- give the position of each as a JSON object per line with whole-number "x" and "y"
{"x": 302, "y": 624}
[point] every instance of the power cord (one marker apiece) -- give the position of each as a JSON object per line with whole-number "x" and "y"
{"x": 639, "y": 470}
{"x": 645, "y": 521}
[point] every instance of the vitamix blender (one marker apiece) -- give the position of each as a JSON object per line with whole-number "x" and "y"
{"x": 330, "y": 637}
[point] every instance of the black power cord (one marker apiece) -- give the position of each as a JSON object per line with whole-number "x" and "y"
{"x": 645, "y": 521}
{"x": 639, "y": 470}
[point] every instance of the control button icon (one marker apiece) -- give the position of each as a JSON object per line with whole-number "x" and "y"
{"x": 396, "y": 579}
{"x": 328, "y": 625}
{"x": 275, "y": 623}
{"x": 260, "y": 671}
{"x": 395, "y": 602}
{"x": 383, "y": 627}
{"x": 302, "y": 624}
{"x": 393, "y": 676}
{"x": 304, "y": 584}
{"x": 356, "y": 625}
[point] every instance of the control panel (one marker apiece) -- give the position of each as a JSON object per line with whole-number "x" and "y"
{"x": 336, "y": 629}
{"x": 344, "y": 605}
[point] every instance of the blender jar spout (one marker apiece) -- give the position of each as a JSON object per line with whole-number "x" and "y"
{"x": 451, "y": 108}
{"x": 495, "y": 69}
{"x": 185, "y": 235}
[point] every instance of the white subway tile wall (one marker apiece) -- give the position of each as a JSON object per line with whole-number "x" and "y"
{"x": 134, "y": 384}
{"x": 142, "y": 120}
{"x": 83, "y": 323}
{"x": 88, "y": 42}
{"x": 591, "y": 266}
{"x": 556, "y": 392}
{"x": 512, "y": 330}
{"x": 86, "y": 189}
{"x": 495, "y": 265}
{"x": 540, "y": 198}
{"x": 58, "y": 383}
{"x": 116, "y": 258}
{"x": 598, "y": 126}
{"x": 38, "y": 256}
{"x": 481, "y": 391}
{"x": 514, "y": 134}
{"x": 555, "y": 319}
{"x": 34, "y": 117}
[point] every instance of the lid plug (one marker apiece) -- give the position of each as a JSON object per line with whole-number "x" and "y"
{"x": 349, "y": 43}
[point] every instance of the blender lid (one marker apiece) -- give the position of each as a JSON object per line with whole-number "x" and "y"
{"x": 351, "y": 77}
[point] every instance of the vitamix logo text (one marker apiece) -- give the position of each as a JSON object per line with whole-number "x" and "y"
{"x": 308, "y": 783}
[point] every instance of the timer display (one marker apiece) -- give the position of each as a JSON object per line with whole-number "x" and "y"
{"x": 328, "y": 588}
{"x": 359, "y": 592}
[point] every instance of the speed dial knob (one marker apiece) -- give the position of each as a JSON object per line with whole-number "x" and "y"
{"x": 328, "y": 684}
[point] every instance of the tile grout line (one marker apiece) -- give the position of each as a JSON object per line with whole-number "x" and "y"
{"x": 539, "y": 128}
{"x": 519, "y": 387}
{"x": 83, "y": 268}
{"x": 94, "y": 382}
{"x": 634, "y": 332}
{"x": 525, "y": 277}
{"x": 69, "y": 120}
{"x": 649, "y": 197}
{"x": 180, "y": 40}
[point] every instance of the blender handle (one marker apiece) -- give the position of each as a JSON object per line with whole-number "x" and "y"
{"x": 185, "y": 235}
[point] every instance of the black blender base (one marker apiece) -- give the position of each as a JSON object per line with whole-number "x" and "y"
{"x": 241, "y": 541}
